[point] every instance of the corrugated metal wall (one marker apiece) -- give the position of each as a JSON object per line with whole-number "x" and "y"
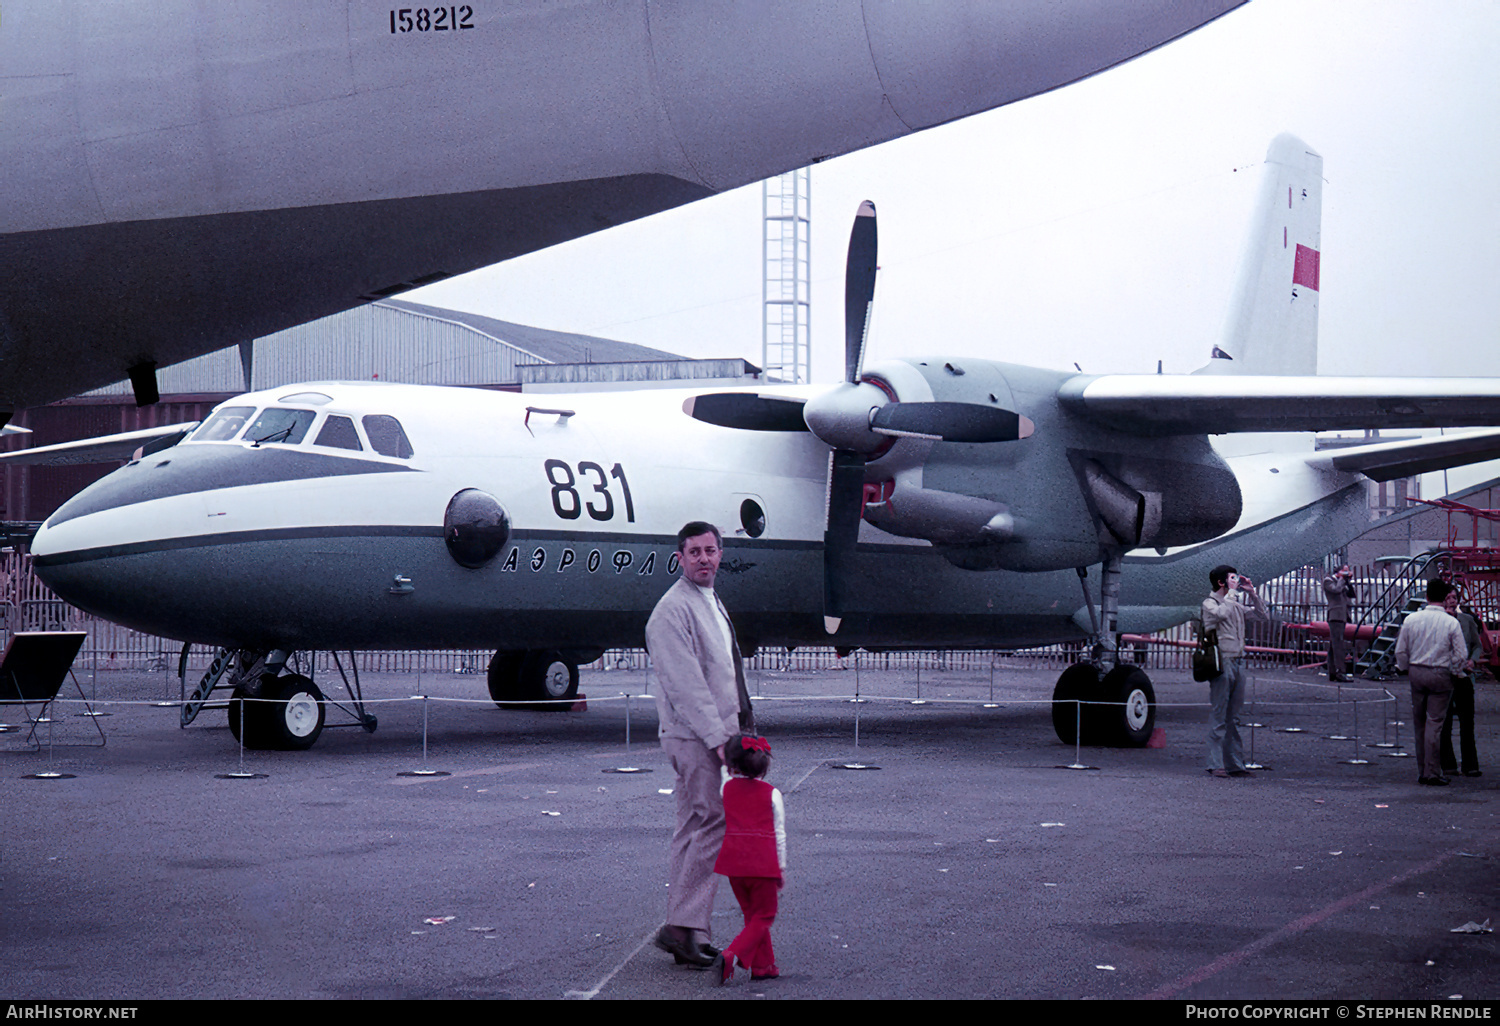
{"x": 33, "y": 493}
{"x": 368, "y": 343}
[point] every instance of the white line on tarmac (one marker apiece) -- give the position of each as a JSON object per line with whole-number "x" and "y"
{"x": 588, "y": 995}
{"x": 1292, "y": 929}
{"x": 815, "y": 767}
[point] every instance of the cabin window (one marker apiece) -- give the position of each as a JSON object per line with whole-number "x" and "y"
{"x": 224, "y": 424}
{"x": 280, "y": 426}
{"x": 386, "y": 436}
{"x": 339, "y": 433}
{"x": 752, "y": 518}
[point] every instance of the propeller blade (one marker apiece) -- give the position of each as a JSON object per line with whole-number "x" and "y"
{"x": 746, "y": 411}
{"x": 846, "y": 486}
{"x": 859, "y": 289}
{"x": 951, "y": 422}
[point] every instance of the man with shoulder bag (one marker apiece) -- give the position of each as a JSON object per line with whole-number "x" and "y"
{"x": 1224, "y": 612}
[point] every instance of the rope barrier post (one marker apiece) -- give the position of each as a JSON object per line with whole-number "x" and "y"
{"x": 1354, "y": 759}
{"x": 1078, "y": 763}
{"x": 1398, "y": 752}
{"x": 626, "y": 769}
{"x": 241, "y": 773}
{"x": 1254, "y": 722}
{"x": 1338, "y": 713}
{"x": 1077, "y": 732}
{"x": 49, "y": 773}
{"x": 1385, "y": 725}
{"x": 424, "y": 771}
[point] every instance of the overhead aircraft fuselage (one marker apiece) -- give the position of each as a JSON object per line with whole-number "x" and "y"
{"x": 361, "y": 515}
{"x": 183, "y": 177}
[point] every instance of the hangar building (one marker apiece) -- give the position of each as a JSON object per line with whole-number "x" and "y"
{"x": 390, "y": 340}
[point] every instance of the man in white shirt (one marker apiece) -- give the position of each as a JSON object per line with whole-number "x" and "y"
{"x": 701, "y": 703}
{"x": 1431, "y": 649}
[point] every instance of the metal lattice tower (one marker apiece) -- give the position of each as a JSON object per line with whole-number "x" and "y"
{"x": 786, "y": 260}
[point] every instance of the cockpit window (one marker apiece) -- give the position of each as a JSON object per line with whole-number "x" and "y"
{"x": 386, "y": 436}
{"x": 338, "y": 433}
{"x": 224, "y": 424}
{"x": 280, "y": 425}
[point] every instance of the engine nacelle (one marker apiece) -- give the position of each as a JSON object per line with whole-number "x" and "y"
{"x": 943, "y": 518}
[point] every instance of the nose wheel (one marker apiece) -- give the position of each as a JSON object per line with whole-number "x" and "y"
{"x": 283, "y": 713}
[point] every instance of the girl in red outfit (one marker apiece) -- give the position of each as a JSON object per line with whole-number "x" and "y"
{"x": 753, "y": 856}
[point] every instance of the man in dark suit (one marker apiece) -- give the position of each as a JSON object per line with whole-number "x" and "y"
{"x": 1339, "y": 590}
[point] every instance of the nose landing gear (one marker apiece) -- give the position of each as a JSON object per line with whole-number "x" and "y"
{"x": 269, "y": 709}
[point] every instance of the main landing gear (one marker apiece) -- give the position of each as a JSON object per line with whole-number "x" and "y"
{"x": 536, "y": 679}
{"x": 1116, "y": 707}
{"x": 1103, "y": 701}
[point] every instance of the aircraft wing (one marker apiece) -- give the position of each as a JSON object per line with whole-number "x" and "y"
{"x": 1216, "y": 404}
{"x": 176, "y": 184}
{"x": 103, "y": 449}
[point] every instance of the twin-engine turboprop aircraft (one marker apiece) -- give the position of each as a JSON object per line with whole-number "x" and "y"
{"x": 951, "y": 502}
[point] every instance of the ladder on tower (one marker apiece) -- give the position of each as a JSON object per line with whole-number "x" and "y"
{"x": 1404, "y": 595}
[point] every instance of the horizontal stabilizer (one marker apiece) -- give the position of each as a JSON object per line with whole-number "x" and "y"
{"x": 1155, "y": 404}
{"x": 103, "y": 449}
{"x": 1387, "y": 461}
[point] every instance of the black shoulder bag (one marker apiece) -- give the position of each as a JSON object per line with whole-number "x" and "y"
{"x": 1206, "y": 662}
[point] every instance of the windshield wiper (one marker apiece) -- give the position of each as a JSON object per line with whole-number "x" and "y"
{"x": 284, "y": 432}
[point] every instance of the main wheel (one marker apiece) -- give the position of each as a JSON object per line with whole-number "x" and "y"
{"x": 1078, "y": 683}
{"x": 505, "y": 679}
{"x": 1129, "y": 718}
{"x": 296, "y": 715}
{"x": 550, "y": 675}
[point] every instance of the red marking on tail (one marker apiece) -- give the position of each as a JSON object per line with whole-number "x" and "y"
{"x": 1305, "y": 271}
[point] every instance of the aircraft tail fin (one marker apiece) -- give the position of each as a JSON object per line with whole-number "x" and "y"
{"x": 1272, "y": 323}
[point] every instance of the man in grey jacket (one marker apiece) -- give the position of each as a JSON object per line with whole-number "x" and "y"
{"x": 701, "y": 703}
{"x": 1233, "y": 601}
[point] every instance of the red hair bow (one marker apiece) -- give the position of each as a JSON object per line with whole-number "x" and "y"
{"x": 756, "y": 744}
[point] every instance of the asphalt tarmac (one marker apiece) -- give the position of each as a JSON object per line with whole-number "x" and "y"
{"x": 963, "y": 861}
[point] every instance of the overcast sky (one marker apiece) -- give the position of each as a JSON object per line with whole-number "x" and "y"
{"x": 1101, "y": 224}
